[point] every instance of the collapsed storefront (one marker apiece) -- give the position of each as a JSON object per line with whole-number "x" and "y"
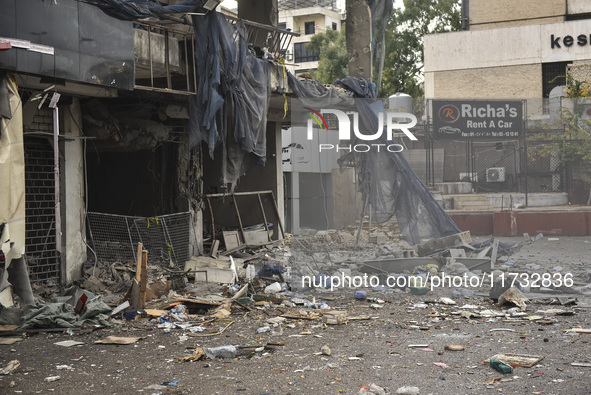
{"x": 113, "y": 152}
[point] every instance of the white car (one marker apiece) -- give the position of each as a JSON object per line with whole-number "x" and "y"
{"x": 449, "y": 130}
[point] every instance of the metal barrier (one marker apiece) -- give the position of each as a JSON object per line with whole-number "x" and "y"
{"x": 115, "y": 237}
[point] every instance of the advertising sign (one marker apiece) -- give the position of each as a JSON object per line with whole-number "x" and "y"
{"x": 477, "y": 119}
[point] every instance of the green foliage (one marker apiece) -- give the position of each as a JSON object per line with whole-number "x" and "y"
{"x": 568, "y": 138}
{"x": 403, "y": 62}
{"x": 334, "y": 58}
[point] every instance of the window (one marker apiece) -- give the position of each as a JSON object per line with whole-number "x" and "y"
{"x": 302, "y": 54}
{"x": 309, "y": 27}
{"x": 283, "y": 25}
{"x": 553, "y": 75}
{"x": 334, "y": 26}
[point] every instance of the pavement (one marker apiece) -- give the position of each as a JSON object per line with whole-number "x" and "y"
{"x": 393, "y": 339}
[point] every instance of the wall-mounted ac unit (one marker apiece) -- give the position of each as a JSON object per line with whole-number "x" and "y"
{"x": 469, "y": 177}
{"x": 495, "y": 174}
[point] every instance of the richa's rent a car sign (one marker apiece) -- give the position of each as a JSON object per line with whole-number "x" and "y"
{"x": 477, "y": 119}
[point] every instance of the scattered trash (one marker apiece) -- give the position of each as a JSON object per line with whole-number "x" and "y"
{"x": 407, "y": 390}
{"x": 440, "y": 364}
{"x": 50, "y": 379}
{"x": 220, "y": 352}
{"x": 500, "y": 366}
{"x": 579, "y": 330}
{"x": 419, "y": 290}
{"x": 447, "y": 301}
{"x": 454, "y": 347}
{"x": 361, "y": 295}
{"x": 10, "y": 368}
{"x": 372, "y": 389}
{"x": 325, "y": 350}
{"x": 518, "y": 360}
{"x": 273, "y": 288}
{"x": 69, "y": 343}
{"x": 513, "y": 295}
{"x": 118, "y": 340}
{"x": 197, "y": 355}
{"x": 335, "y": 317}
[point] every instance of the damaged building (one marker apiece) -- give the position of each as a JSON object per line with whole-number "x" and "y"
{"x": 99, "y": 101}
{"x": 160, "y": 123}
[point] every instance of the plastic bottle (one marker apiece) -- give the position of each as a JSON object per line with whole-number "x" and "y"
{"x": 220, "y": 352}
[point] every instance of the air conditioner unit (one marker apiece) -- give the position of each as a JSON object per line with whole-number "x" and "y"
{"x": 289, "y": 55}
{"x": 469, "y": 177}
{"x": 495, "y": 174}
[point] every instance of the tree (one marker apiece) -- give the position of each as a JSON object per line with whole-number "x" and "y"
{"x": 568, "y": 138}
{"x": 333, "y": 56}
{"x": 403, "y": 62}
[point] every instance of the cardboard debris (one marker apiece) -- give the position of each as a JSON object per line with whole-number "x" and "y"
{"x": 118, "y": 340}
{"x": 10, "y": 340}
{"x": 513, "y": 295}
{"x": 155, "y": 312}
{"x": 197, "y": 355}
{"x": 518, "y": 360}
{"x": 8, "y": 328}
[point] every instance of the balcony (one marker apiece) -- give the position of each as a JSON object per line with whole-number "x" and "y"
{"x": 164, "y": 52}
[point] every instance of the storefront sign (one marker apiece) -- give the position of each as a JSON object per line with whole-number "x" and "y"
{"x": 477, "y": 119}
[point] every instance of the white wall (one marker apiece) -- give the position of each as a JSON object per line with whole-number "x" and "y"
{"x": 578, "y": 6}
{"x": 309, "y": 159}
{"x": 505, "y": 46}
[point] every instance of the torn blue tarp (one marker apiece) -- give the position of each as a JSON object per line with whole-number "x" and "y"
{"x": 384, "y": 178}
{"x": 234, "y": 89}
{"x": 140, "y": 9}
{"x": 392, "y": 186}
{"x": 233, "y": 85}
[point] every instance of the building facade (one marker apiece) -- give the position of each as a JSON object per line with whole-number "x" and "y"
{"x": 102, "y": 114}
{"x": 509, "y": 49}
{"x": 511, "y": 52}
{"x": 307, "y": 17}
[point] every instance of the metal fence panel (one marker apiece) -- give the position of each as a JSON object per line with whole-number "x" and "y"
{"x": 115, "y": 237}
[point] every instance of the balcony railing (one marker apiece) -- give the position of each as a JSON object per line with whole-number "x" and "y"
{"x": 297, "y": 4}
{"x": 164, "y": 52}
{"x": 275, "y": 39}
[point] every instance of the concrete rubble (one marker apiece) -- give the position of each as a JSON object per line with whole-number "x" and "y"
{"x": 265, "y": 298}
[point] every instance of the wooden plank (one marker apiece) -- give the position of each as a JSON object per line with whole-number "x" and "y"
{"x": 264, "y": 216}
{"x": 138, "y": 257}
{"x": 144, "y": 279}
{"x": 239, "y": 218}
{"x": 138, "y": 265}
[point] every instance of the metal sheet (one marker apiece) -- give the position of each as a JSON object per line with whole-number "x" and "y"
{"x": 55, "y": 25}
{"x": 8, "y": 29}
{"x": 89, "y": 46}
{"x": 106, "y": 49}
